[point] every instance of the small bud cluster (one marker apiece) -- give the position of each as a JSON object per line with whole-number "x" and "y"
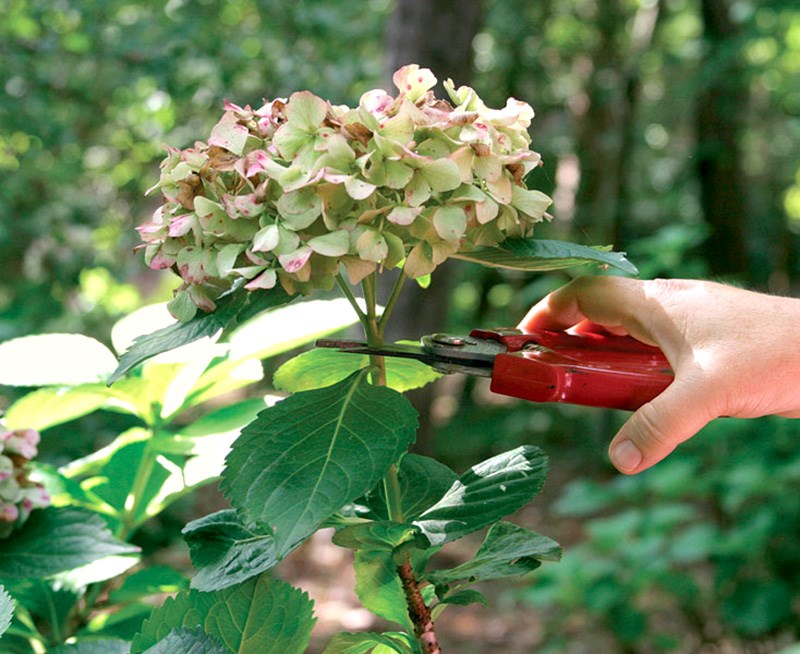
{"x": 288, "y": 192}
{"x": 18, "y": 494}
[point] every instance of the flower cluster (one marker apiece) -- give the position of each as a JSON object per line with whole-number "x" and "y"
{"x": 18, "y": 495}
{"x": 292, "y": 190}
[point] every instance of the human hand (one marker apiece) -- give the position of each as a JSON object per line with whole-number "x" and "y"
{"x": 734, "y": 353}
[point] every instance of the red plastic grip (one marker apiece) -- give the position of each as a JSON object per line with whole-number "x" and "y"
{"x": 616, "y": 372}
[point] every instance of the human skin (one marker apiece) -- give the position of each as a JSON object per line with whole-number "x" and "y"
{"x": 734, "y": 353}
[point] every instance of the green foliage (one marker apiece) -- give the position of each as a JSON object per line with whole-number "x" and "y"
{"x": 259, "y": 616}
{"x": 349, "y": 434}
{"x": 6, "y": 611}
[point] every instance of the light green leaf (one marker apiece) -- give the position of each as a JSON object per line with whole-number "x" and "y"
{"x": 55, "y": 540}
{"x": 226, "y": 552}
{"x": 219, "y": 423}
{"x": 152, "y": 580}
{"x": 486, "y": 492}
{"x": 231, "y": 310}
{"x": 104, "y": 646}
{"x": 51, "y": 359}
{"x": 260, "y": 616}
{"x": 378, "y": 586}
{"x": 508, "y": 550}
{"x": 309, "y": 455}
{"x": 6, "y": 610}
{"x": 531, "y": 203}
{"x": 423, "y": 482}
{"x": 450, "y": 222}
{"x": 51, "y": 406}
{"x": 361, "y": 643}
{"x": 188, "y": 641}
{"x": 375, "y": 535}
{"x": 228, "y": 134}
{"x": 441, "y": 174}
{"x": 323, "y": 367}
{"x": 540, "y": 254}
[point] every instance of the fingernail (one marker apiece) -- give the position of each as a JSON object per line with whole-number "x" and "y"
{"x": 626, "y": 456}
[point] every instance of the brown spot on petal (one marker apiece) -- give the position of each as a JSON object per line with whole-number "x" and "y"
{"x": 481, "y": 149}
{"x": 188, "y": 189}
{"x": 221, "y": 159}
{"x": 517, "y": 172}
{"x": 357, "y": 132}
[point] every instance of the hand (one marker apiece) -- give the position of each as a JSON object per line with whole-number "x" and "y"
{"x": 734, "y": 353}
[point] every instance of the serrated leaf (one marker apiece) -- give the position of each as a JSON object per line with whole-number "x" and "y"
{"x": 540, "y": 254}
{"x": 226, "y": 552}
{"x": 323, "y": 367}
{"x": 55, "y": 540}
{"x": 6, "y": 610}
{"x": 231, "y": 310}
{"x": 508, "y": 550}
{"x": 52, "y": 359}
{"x": 423, "y": 482}
{"x": 362, "y": 643}
{"x": 102, "y": 646}
{"x": 375, "y": 535}
{"x": 485, "y": 493}
{"x": 47, "y": 407}
{"x": 188, "y": 641}
{"x": 303, "y": 459}
{"x": 260, "y": 616}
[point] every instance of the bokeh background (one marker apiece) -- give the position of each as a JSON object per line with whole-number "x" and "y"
{"x": 670, "y": 129}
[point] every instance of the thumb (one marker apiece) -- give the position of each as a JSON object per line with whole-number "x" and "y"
{"x": 658, "y": 427}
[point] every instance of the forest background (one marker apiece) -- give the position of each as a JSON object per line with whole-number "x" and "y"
{"x": 669, "y": 129}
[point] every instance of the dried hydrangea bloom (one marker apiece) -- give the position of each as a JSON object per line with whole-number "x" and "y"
{"x": 289, "y": 192}
{"x": 18, "y": 494}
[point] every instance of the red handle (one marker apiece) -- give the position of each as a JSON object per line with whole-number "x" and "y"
{"x": 616, "y": 372}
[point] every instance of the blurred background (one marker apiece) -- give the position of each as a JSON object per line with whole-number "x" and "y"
{"x": 669, "y": 129}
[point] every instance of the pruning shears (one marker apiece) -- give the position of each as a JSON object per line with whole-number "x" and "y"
{"x": 599, "y": 370}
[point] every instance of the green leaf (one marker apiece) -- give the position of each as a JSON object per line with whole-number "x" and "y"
{"x": 260, "y": 616}
{"x": 539, "y": 254}
{"x": 375, "y": 535}
{"x": 303, "y": 459}
{"x": 362, "y": 643}
{"x": 323, "y": 367}
{"x": 6, "y": 610}
{"x": 54, "y": 540}
{"x": 232, "y": 309}
{"x": 51, "y": 359}
{"x": 226, "y": 551}
{"x": 460, "y": 598}
{"x": 423, "y": 482}
{"x": 103, "y": 646}
{"x": 378, "y": 586}
{"x": 47, "y": 407}
{"x": 149, "y": 581}
{"x": 508, "y": 550}
{"x": 188, "y": 641}
{"x": 485, "y": 493}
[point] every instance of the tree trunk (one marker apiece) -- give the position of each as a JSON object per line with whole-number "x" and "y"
{"x": 720, "y": 113}
{"x": 435, "y": 34}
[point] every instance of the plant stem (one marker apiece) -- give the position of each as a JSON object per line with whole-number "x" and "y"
{"x": 345, "y": 288}
{"x": 418, "y": 611}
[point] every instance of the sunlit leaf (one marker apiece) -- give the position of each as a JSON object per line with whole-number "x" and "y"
{"x": 188, "y": 641}
{"x": 362, "y": 643}
{"x": 540, "y": 254}
{"x": 6, "y": 610}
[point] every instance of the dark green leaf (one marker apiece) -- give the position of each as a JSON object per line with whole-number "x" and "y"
{"x": 508, "y": 550}
{"x": 149, "y": 581}
{"x": 6, "y": 610}
{"x": 102, "y": 646}
{"x": 423, "y": 481}
{"x": 54, "y": 540}
{"x": 188, "y": 641}
{"x": 231, "y": 310}
{"x": 380, "y": 535}
{"x": 756, "y": 607}
{"x": 533, "y": 254}
{"x": 485, "y": 493}
{"x": 322, "y": 367}
{"x": 226, "y": 551}
{"x": 260, "y": 616}
{"x": 460, "y": 598}
{"x": 309, "y": 455}
{"x": 362, "y": 643}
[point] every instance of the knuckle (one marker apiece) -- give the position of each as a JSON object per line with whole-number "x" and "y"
{"x": 647, "y": 425}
